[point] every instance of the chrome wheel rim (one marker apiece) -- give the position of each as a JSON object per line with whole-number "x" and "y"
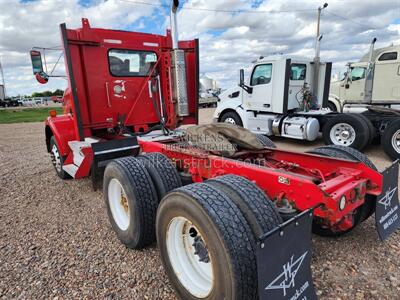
{"x": 194, "y": 269}
{"x": 56, "y": 158}
{"x": 118, "y": 204}
{"x": 230, "y": 120}
{"x": 342, "y": 134}
{"x": 396, "y": 141}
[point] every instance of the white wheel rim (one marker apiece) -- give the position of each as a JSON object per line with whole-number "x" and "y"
{"x": 55, "y": 158}
{"x": 342, "y": 134}
{"x": 118, "y": 204}
{"x": 196, "y": 276}
{"x": 230, "y": 120}
{"x": 396, "y": 141}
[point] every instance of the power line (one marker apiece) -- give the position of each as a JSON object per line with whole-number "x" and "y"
{"x": 350, "y": 20}
{"x": 220, "y": 10}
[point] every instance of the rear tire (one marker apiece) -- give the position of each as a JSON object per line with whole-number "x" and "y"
{"x": 346, "y": 130}
{"x": 365, "y": 210}
{"x": 232, "y": 118}
{"x": 131, "y": 202}
{"x": 371, "y": 128}
{"x": 163, "y": 173}
{"x": 265, "y": 141}
{"x": 391, "y": 140}
{"x": 224, "y": 263}
{"x": 258, "y": 210}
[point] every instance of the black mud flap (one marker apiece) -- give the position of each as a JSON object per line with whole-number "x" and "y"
{"x": 387, "y": 211}
{"x": 105, "y": 151}
{"x": 284, "y": 260}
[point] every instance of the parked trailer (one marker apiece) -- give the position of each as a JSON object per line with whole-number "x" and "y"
{"x": 220, "y": 201}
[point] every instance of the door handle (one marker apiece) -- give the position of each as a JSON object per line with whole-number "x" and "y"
{"x": 108, "y": 95}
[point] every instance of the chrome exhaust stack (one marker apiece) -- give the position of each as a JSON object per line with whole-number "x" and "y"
{"x": 369, "y": 76}
{"x": 174, "y": 24}
{"x": 178, "y": 67}
{"x": 317, "y": 62}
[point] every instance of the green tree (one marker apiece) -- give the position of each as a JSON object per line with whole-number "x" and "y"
{"x": 58, "y": 92}
{"x": 37, "y": 94}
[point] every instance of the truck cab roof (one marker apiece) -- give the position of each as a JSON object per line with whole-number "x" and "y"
{"x": 378, "y": 52}
{"x": 272, "y": 58}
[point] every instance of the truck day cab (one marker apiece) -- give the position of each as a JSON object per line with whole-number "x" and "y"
{"x": 290, "y": 97}
{"x": 219, "y": 218}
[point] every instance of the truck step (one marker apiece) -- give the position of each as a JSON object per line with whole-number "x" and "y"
{"x": 70, "y": 169}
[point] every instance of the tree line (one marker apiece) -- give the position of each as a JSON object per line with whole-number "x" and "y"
{"x": 57, "y": 92}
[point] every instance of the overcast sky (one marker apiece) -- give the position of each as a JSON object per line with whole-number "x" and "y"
{"x": 228, "y": 40}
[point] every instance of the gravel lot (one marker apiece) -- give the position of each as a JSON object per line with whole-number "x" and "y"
{"x": 56, "y": 241}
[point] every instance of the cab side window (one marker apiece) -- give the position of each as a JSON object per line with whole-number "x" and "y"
{"x": 388, "y": 56}
{"x": 298, "y": 72}
{"x": 130, "y": 63}
{"x": 357, "y": 73}
{"x": 261, "y": 74}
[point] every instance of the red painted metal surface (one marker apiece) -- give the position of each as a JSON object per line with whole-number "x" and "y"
{"x": 62, "y": 127}
{"x": 304, "y": 180}
{"x": 100, "y": 106}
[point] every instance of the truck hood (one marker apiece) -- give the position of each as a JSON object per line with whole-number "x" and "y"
{"x": 233, "y": 93}
{"x": 334, "y": 88}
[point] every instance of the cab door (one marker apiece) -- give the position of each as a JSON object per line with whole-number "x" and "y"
{"x": 354, "y": 89}
{"x": 261, "y": 97}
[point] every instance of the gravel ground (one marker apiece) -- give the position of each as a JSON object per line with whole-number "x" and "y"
{"x": 56, "y": 241}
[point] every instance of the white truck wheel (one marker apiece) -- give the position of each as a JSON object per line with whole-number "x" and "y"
{"x": 206, "y": 245}
{"x": 391, "y": 140}
{"x": 346, "y": 130}
{"x": 131, "y": 202}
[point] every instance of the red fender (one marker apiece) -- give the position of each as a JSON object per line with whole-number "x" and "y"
{"x": 62, "y": 127}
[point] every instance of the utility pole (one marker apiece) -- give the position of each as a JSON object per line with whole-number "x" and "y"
{"x": 319, "y": 17}
{"x": 317, "y": 50}
{"x": 3, "y": 92}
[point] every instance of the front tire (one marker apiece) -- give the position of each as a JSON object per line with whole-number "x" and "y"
{"x": 332, "y": 106}
{"x": 232, "y": 118}
{"x": 57, "y": 160}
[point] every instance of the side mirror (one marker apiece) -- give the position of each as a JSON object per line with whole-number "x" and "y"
{"x": 37, "y": 67}
{"x": 346, "y": 86}
{"x": 248, "y": 89}
{"x": 42, "y": 77}
{"x": 241, "y": 78}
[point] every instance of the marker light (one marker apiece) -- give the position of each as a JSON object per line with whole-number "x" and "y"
{"x": 53, "y": 113}
{"x": 342, "y": 202}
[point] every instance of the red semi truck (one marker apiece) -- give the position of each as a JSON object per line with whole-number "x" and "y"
{"x": 214, "y": 215}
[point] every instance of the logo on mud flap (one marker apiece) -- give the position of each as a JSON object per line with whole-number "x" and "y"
{"x": 387, "y": 199}
{"x": 285, "y": 280}
{"x": 284, "y": 180}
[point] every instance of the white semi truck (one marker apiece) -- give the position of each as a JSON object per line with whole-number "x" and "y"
{"x": 379, "y": 71}
{"x": 289, "y": 97}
